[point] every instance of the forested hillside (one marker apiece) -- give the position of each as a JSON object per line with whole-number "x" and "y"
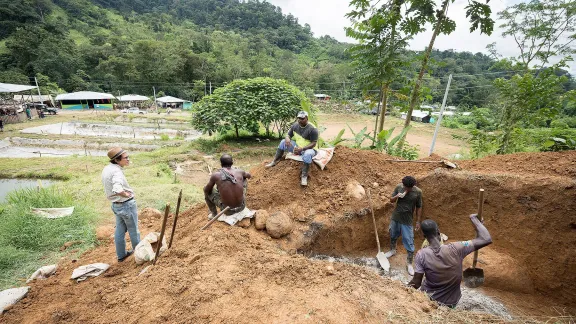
{"x": 184, "y": 47}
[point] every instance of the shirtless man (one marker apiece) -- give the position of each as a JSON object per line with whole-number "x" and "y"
{"x": 230, "y": 188}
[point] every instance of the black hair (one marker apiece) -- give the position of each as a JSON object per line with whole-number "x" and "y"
{"x": 429, "y": 228}
{"x": 116, "y": 160}
{"x": 226, "y": 160}
{"x": 409, "y": 181}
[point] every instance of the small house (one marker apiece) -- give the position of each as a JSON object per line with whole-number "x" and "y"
{"x": 86, "y": 100}
{"x": 173, "y": 102}
{"x": 322, "y": 97}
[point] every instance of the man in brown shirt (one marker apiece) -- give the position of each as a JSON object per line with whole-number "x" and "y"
{"x": 442, "y": 264}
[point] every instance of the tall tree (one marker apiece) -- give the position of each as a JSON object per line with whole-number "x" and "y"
{"x": 479, "y": 17}
{"x": 383, "y": 33}
{"x": 541, "y": 29}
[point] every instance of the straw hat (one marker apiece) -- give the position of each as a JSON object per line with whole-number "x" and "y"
{"x": 115, "y": 152}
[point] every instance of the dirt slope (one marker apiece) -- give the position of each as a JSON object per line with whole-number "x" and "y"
{"x": 231, "y": 274}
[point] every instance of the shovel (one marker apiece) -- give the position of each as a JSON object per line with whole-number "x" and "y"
{"x": 384, "y": 263}
{"x": 474, "y": 277}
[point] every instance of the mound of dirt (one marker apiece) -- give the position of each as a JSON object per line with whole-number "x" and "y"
{"x": 231, "y": 274}
{"x": 526, "y": 164}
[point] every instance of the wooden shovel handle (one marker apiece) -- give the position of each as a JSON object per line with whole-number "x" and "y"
{"x": 374, "y": 221}
{"x": 480, "y": 210}
{"x": 159, "y": 243}
{"x": 216, "y": 217}
{"x": 175, "y": 219}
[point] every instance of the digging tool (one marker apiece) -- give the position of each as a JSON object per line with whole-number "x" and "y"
{"x": 175, "y": 218}
{"x": 215, "y": 218}
{"x": 446, "y": 163}
{"x": 159, "y": 243}
{"x": 384, "y": 263}
{"x": 474, "y": 277}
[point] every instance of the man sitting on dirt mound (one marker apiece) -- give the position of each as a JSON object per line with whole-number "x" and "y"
{"x": 231, "y": 188}
{"x": 305, "y": 143}
{"x": 442, "y": 264}
{"x": 408, "y": 199}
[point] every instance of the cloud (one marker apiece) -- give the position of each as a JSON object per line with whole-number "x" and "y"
{"x": 326, "y": 17}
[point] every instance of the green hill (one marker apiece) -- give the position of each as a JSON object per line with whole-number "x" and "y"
{"x": 184, "y": 47}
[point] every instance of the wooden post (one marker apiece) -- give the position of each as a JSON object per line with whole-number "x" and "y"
{"x": 175, "y": 219}
{"x": 159, "y": 243}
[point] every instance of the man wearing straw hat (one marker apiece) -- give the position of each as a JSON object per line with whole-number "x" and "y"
{"x": 123, "y": 203}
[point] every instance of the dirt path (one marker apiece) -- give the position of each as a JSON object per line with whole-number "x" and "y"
{"x": 420, "y": 134}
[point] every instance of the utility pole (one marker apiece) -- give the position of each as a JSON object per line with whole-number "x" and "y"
{"x": 440, "y": 117}
{"x": 38, "y": 88}
{"x": 155, "y": 104}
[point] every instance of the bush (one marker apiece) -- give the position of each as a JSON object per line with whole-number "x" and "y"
{"x": 244, "y": 104}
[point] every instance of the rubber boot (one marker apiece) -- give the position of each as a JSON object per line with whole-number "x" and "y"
{"x": 409, "y": 260}
{"x": 392, "y": 251}
{"x": 304, "y": 178}
{"x": 277, "y": 157}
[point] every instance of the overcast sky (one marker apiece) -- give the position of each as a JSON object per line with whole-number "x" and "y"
{"x": 326, "y": 17}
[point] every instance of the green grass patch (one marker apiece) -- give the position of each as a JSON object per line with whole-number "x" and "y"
{"x": 29, "y": 241}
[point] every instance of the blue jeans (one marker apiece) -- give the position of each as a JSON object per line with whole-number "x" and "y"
{"x": 306, "y": 155}
{"x": 126, "y": 221}
{"x": 406, "y": 231}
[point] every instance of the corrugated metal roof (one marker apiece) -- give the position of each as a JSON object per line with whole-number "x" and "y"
{"x": 133, "y": 97}
{"x": 84, "y": 95}
{"x": 8, "y": 87}
{"x": 170, "y": 99}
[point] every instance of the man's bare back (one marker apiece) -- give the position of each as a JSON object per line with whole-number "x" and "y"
{"x": 231, "y": 194}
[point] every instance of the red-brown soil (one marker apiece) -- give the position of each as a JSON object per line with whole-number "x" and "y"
{"x": 231, "y": 274}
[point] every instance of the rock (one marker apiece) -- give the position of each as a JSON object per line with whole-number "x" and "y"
{"x": 330, "y": 270}
{"x": 375, "y": 185}
{"x": 355, "y": 190}
{"x": 278, "y": 225}
{"x": 245, "y": 223}
{"x": 104, "y": 232}
{"x": 260, "y": 219}
{"x": 149, "y": 213}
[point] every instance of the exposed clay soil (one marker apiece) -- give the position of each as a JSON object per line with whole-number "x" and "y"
{"x": 231, "y": 274}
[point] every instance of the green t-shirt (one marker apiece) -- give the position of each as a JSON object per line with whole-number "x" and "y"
{"x": 404, "y": 212}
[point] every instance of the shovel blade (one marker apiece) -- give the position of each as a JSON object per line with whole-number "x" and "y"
{"x": 384, "y": 263}
{"x": 473, "y": 277}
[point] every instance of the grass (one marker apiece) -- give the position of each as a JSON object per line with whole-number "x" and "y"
{"x": 29, "y": 241}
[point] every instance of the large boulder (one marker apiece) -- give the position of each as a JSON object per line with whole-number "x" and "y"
{"x": 260, "y": 219}
{"x": 150, "y": 213}
{"x": 278, "y": 225}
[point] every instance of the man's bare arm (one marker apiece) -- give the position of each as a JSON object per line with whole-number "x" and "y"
{"x": 484, "y": 237}
{"x": 247, "y": 175}
{"x": 208, "y": 188}
{"x": 416, "y": 281}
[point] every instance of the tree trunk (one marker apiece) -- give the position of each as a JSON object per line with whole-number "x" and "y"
{"x": 416, "y": 92}
{"x": 237, "y": 132}
{"x": 384, "y": 105}
{"x": 377, "y": 115}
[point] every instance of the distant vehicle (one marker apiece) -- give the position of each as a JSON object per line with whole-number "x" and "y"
{"x": 134, "y": 110}
{"x": 43, "y": 107}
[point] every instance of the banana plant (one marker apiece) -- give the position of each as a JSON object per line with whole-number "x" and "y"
{"x": 360, "y": 136}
